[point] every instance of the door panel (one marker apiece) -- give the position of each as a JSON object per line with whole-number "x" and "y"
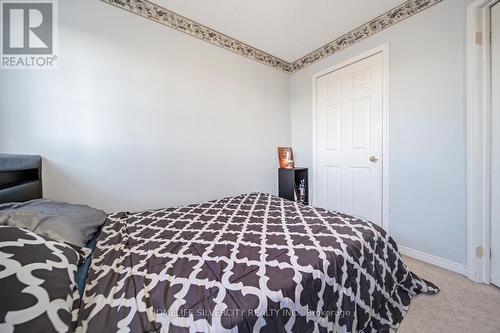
{"x": 361, "y": 78}
{"x": 360, "y": 135}
{"x": 348, "y": 132}
{"x": 495, "y": 156}
{"x": 332, "y": 123}
{"x": 332, "y": 188}
{"x": 360, "y": 200}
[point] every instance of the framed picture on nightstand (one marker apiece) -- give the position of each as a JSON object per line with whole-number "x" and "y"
{"x": 285, "y": 155}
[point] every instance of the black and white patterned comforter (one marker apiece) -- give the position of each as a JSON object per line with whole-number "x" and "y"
{"x": 249, "y": 263}
{"x": 37, "y": 282}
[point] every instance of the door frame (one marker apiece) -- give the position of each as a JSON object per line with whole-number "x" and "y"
{"x": 384, "y": 50}
{"x": 478, "y": 92}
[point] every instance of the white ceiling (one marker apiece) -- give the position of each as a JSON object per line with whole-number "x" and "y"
{"x": 288, "y": 29}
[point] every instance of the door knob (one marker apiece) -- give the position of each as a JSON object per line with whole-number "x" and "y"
{"x": 373, "y": 159}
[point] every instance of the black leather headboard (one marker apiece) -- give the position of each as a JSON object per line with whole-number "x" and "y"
{"x": 20, "y": 177}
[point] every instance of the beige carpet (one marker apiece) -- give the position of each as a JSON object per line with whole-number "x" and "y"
{"x": 460, "y": 306}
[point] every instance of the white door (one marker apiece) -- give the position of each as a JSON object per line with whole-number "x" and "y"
{"x": 349, "y": 139}
{"x": 495, "y": 158}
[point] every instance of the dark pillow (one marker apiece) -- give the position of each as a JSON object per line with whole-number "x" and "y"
{"x": 74, "y": 224}
{"x": 37, "y": 282}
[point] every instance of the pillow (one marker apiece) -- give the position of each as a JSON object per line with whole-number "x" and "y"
{"x": 74, "y": 224}
{"x": 37, "y": 282}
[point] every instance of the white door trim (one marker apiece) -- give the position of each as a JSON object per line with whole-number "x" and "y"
{"x": 478, "y": 140}
{"x": 384, "y": 49}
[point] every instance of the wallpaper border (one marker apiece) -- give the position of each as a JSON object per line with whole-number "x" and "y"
{"x": 389, "y": 18}
{"x": 154, "y": 12}
{"x": 150, "y": 10}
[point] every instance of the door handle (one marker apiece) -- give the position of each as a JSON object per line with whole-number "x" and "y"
{"x": 373, "y": 159}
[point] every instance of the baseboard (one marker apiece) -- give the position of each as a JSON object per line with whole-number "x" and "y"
{"x": 434, "y": 260}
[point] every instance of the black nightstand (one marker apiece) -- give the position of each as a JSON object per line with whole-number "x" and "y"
{"x": 289, "y": 181}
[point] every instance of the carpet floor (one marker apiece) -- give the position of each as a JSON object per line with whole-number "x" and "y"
{"x": 460, "y": 306}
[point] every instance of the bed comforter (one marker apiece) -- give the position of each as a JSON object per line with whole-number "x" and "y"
{"x": 250, "y": 263}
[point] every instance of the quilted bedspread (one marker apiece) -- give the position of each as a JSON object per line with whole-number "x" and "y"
{"x": 250, "y": 263}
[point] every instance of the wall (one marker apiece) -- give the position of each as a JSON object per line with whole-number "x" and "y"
{"x": 140, "y": 116}
{"x": 426, "y": 131}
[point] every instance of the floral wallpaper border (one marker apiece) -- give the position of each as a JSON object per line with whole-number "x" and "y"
{"x": 173, "y": 20}
{"x": 393, "y": 16}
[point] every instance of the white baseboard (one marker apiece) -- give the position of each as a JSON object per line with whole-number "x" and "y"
{"x": 434, "y": 260}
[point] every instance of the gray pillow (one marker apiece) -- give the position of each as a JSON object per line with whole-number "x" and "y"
{"x": 74, "y": 224}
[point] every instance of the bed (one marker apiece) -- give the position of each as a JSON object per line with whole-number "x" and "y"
{"x": 249, "y": 263}
{"x": 20, "y": 177}
{"x": 45, "y": 251}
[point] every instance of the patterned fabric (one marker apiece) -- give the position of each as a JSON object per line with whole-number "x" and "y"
{"x": 37, "y": 283}
{"x": 249, "y": 263}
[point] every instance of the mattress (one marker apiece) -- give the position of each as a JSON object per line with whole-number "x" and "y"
{"x": 248, "y": 263}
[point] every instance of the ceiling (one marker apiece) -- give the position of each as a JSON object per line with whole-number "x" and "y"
{"x": 287, "y": 29}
